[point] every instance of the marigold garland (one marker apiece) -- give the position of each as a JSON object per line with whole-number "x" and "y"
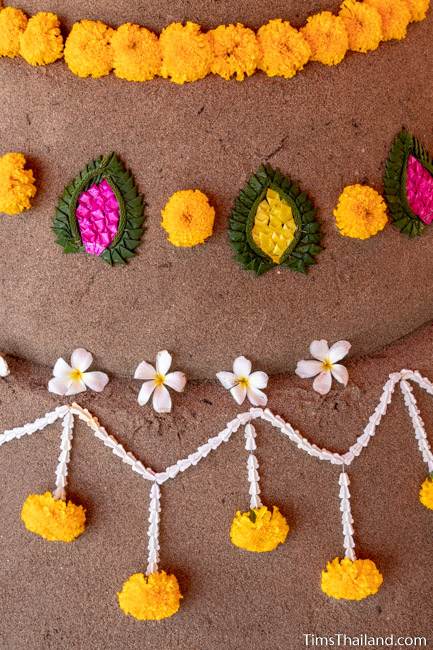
{"x": 150, "y": 598}
{"x": 17, "y": 184}
{"x": 351, "y": 579}
{"x": 88, "y": 51}
{"x": 426, "y": 492}
{"x": 284, "y": 51}
{"x": 259, "y": 530}
{"x": 236, "y": 51}
{"x": 363, "y": 25}
{"x": 327, "y": 37}
{"x": 53, "y": 519}
{"x": 136, "y": 53}
{"x": 12, "y": 24}
{"x": 418, "y": 9}
{"x": 188, "y": 218}
{"x": 395, "y": 17}
{"x": 41, "y": 43}
{"x": 361, "y": 212}
{"x": 186, "y": 53}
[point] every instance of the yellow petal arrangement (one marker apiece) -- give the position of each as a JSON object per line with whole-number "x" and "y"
{"x": 185, "y": 53}
{"x": 155, "y": 594}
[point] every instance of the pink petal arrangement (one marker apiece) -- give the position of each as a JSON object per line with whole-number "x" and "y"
{"x": 98, "y": 217}
{"x": 419, "y": 188}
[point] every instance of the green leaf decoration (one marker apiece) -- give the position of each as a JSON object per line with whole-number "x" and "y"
{"x": 305, "y": 242}
{"x": 131, "y": 210}
{"x": 395, "y": 182}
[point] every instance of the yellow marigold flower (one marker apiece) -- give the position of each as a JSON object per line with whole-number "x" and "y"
{"x": 12, "y": 23}
{"x": 284, "y": 51}
{"x": 363, "y": 25}
{"x": 53, "y": 519}
{"x": 88, "y": 51}
{"x": 327, "y": 37}
{"x": 418, "y": 9}
{"x": 136, "y": 53}
{"x": 188, "y": 218}
{"x": 351, "y": 579}
{"x": 395, "y": 16}
{"x": 150, "y": 598}
{"x": 426, "y": 493}
{"x": 17, "y": 185}
{"x": 259, "y": 530}
{"x": 361, "y": 212}
{"x": 41, "y": 42}
{"x": 236, "y": 51}
{"x": 186, "y": 53}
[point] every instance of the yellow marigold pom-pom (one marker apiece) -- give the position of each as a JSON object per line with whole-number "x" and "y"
{"x": 259, "y": 530}
{"x": 363, "y": 25}
{"x": 53, "y": 519}
{"x": 351, "y": 579}
{"x": 418, "y": 9}
{"x": 284, "y": 51}
{"x": 361, "y": 212}
{"x": 12, "y": 24}
{"x": 327, "y": 37}
{"x": 426, "y": 493}
{"x": 188, "y": 218}
{"x": 17, "y": 185}
{"x": 41, "y": 42}
{"x": 236, "y": 51}
{"x": 395, "y": 16}
{"x": 136, "y": 53}
{"x": 186, "y": 53}
{"x": 150, "y": 598}
{"x": 88, "y": 51}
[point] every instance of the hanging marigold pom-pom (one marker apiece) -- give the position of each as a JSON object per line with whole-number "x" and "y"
{"x": 284, "y": 51}
{"x": 137, "y": 53}
{"x": 327, "y": 37}
{"x": 361, "y": 212}
{"x": 188, "y": 218}
{"x": 351, "y": 579}
{"x": 259, "y": 530}
{"x": 395, "y": 16}
{"x": 150, "y": 598}
{"x": 53, "y": 519}
{"x": 418, "y": 9}
{"x": 12, "y": 24}
{"x": 41, "y": 42}
{"x": 363, "y": 25}
{"x": 17, "y": 184}
{"x": 88, "y": 51}
{"x": 236, "y": 51}
{"x": 426, "y": 492}
{"x": 186, "y": 53}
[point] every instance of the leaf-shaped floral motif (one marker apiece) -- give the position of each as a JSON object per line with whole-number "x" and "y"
{"x": 408, "y": 184}
{"x": 274, "y": 224}
{"x": 101, "y": 212}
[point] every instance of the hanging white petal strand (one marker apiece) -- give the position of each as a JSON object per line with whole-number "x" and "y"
{"x": 418, "y": 424}
{"x": 252, "y": 467}
{"x": 346, "y": 517}
{"x": 153, "y": 530}
{"x": 32, "y": 427}
{"x": 65, "y": 452}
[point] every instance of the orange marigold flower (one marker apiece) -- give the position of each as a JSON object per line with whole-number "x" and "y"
{"x": 17, "y": 184}
{"x": 12, "y": 24}
{"x": 186, "y": 53}
{"x": 327, "y": 37}
{"x": 41, "y": 42}
{"x": 395, "y": 16}
{"x": 88, "y": 51}
{"x": 284, "y": 51}
{"x": 418, "y": 9}
{"x": 150, "y": 598}
{"x": 136, "y": 53}
{"x": 236, "y": 51}
{"x": 363, "y": 25}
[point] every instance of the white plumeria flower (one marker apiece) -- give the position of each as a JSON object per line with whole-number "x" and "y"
{"x": 243, "y": 383}
{"x": 4, "y": 368}
{"x": 73, "y": 379}
{"x": 156, "y": 381}
{"x": 325, "y": 366}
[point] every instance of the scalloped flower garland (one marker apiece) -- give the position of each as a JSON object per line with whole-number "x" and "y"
{"x": 156, "y": 594}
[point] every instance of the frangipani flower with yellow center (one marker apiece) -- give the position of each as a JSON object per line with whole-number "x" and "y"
{"x": 325, "y": 365}
{"x": 243, "y": 383}
{"x": 157, "y": 378}
{"x": 73, "y": 379}
{"x": 4, "y": 368}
